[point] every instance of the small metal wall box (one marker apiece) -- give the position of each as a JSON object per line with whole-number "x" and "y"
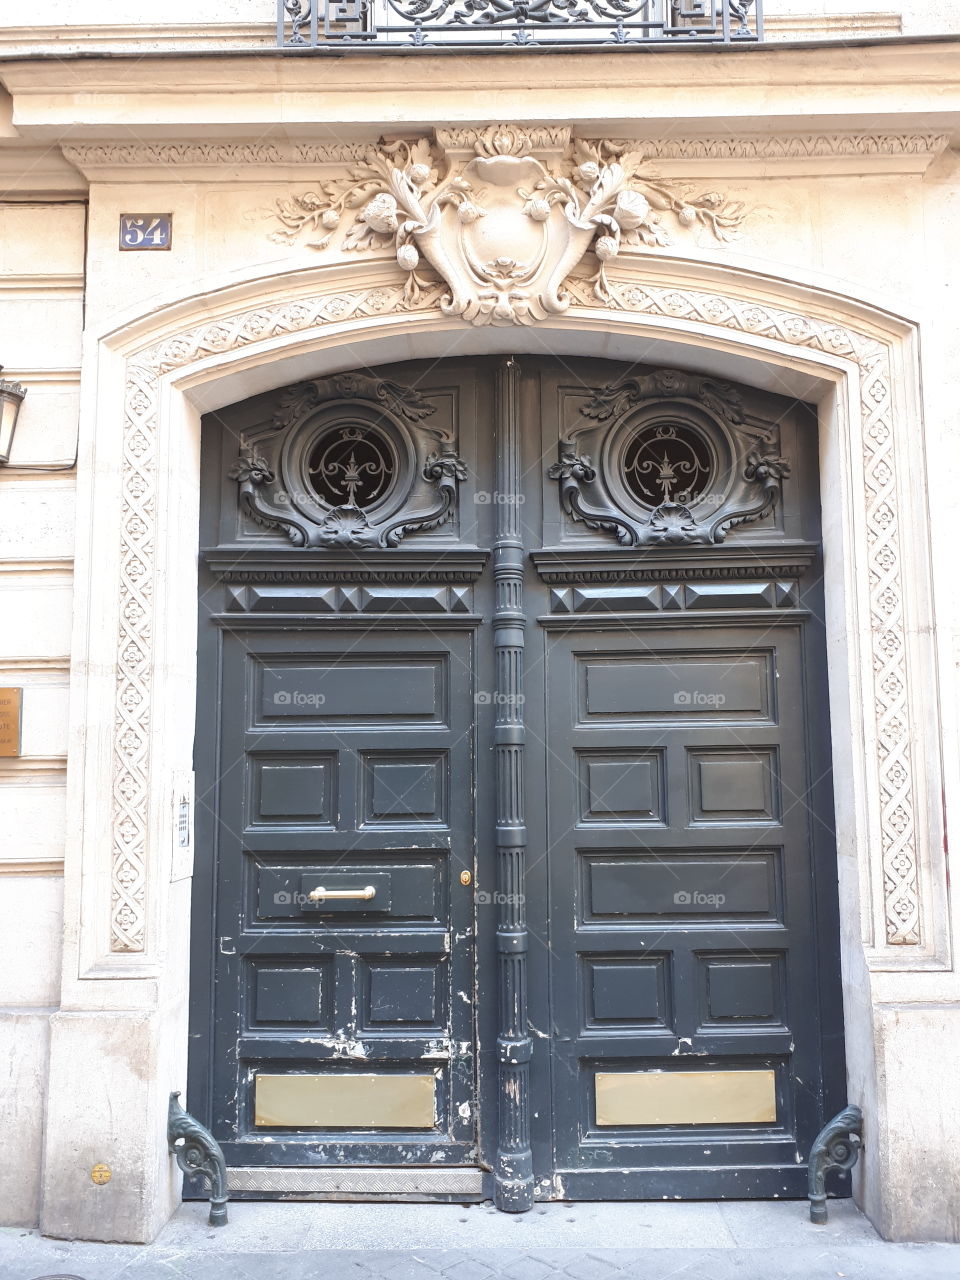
{"x": 198, "y": 1152}
{"x": 836, "y": 1146}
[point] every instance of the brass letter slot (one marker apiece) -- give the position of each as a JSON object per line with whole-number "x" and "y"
{"x": 320, "y": 894}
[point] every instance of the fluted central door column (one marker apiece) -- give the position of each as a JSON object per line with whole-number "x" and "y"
{"x": 514, "y": 1164}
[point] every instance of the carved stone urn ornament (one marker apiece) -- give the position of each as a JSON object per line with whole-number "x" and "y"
{"x": 349, "y": 461}
{"x": 502, "y": 215}
{"x": 677, "y": 462}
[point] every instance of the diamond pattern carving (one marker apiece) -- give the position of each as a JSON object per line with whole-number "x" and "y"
{"x": 895, "y": 778}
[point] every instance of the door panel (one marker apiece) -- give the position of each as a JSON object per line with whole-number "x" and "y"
{"x": 336, "y": 912}
{"x": 692, "y": 916}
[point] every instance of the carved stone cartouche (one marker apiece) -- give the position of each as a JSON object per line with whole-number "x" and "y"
{"x": 505, "y": 227}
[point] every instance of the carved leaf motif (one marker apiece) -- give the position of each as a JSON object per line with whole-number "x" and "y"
{"x": 440, "y": 466}
{"x": 405, "y": 401}
{"x": 296, "y": 401}
{"x": 723, "y": 399}
{"x": 251, "y": 467}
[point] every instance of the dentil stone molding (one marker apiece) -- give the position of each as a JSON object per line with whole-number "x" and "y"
{"x": 894, "y": 780}
{"x": 108, "y": 154}
{"x": 502, "y": 215}
{"x": 766, "y": 147}
{"x": 804, "y": 146}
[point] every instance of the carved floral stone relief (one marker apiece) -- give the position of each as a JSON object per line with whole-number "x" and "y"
{"x": 502, "y": 216}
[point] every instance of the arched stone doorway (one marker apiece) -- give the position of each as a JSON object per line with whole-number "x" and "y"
{"x": 124, "y": 967}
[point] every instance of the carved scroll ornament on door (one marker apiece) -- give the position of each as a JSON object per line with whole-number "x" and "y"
{"x": 668, "y": 458}
{"x": 349, "y": 461}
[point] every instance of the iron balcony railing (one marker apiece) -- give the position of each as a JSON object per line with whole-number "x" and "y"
{"x": 492, "y": 24}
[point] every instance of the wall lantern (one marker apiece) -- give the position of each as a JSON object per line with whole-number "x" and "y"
{"x": 11, "y": 398}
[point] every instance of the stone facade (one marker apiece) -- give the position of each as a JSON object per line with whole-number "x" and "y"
{"x": 782, "y": 216}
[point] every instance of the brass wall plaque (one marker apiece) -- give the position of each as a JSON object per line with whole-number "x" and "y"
{"x": 342, "y": 1101}
{"x": 11, "y": 715}
{"x": 100, "y": 1174}
{"x": 686, "y": 1097}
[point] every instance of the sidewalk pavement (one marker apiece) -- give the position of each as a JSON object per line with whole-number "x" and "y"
{"x": 730, "y": 1240}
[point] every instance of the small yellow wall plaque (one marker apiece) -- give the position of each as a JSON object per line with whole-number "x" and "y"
{"x": 11, "y": 705}
{"x": 100, "y": 1174}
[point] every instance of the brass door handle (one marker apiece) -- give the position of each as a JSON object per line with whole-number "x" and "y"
{"x": 320, "y": 893}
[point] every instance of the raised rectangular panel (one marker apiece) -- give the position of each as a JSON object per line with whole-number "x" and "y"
{"x": 398, "y": 788}
{"x": 36, "y": 609}
{"x": 287, "y": 791}
{"x": 45, "y": 710}
{"x": 720, "y": 886}
{"x": 284, "y": 995}
{"x": 626, "y": 788}
{"x": 403, "y": 600}
{"x": 402, "y": 994}
{"x": 352, "y": 690}
{"x": 405, "y": 890}
{"x": 729, "y": 595}
{"x": 32, "y": 819}
{"x": 59, "y": 228}
{"x": 742, "y": 989}
{"x": 686, "y": 1097}
{"x": 345, "y": 1101}
{"x": 293, "y": 599}
{"x": 669, "y": 685}
{"x": 48, "y": 325}
{"x": 31, "y": 938}
{"x": 731, "y": 785}
{"x": 625, "y": 992}
{"x": 36, "y": 519}
{"x": 616, "y": 600}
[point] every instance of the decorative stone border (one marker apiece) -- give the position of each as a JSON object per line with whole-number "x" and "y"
{"x": 896, "y": 785}
{"x": 767, "y": 147}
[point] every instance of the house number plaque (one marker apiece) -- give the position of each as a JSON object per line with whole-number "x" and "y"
{"x": 11, "y": 705}
{"x": 146, "y": 230}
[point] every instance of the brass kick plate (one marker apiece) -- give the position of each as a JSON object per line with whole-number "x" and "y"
{"x": 342, "y": 1101}
{"x": 686, "y": 1097}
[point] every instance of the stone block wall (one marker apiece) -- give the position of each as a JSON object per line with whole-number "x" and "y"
{"x": 41, "y": 300}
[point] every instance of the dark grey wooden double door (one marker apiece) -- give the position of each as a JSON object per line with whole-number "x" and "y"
{"x": 515, "y": 869}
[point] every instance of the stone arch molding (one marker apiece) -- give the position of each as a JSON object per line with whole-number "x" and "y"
{"x": 864, "y": 350}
